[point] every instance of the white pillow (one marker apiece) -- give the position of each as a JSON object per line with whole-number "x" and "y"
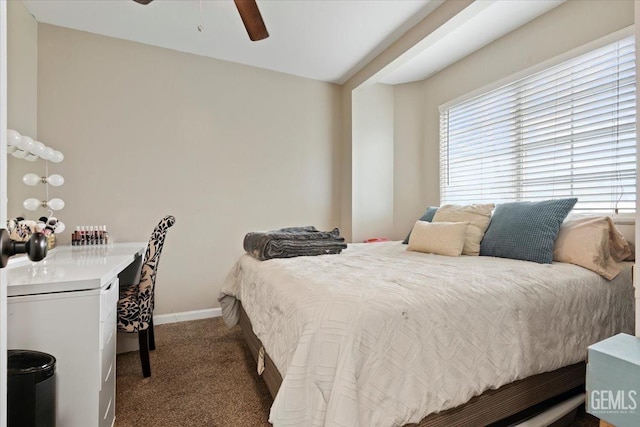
{"x": 478, "y": 217}
{"x": 442, "y": 238}
{"x": 593, "y": 243}
{"x": 621, "y": 249}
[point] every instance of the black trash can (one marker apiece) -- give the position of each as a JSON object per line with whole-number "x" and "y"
{"x": 31, "y": 389}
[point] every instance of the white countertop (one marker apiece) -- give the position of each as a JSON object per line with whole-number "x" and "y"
{"x": 72, "y": 268}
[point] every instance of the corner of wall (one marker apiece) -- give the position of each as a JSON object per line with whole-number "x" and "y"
{"x": 22, "y": 73}
{"x": 22, "y": 93}
{"x": 346, "y": 169}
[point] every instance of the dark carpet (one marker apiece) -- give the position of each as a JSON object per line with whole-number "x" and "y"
{"x": 202, "y": 374}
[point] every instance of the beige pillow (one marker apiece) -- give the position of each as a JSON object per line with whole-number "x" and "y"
{"x": 632, "y": 249}
{"x": 442, "y": 238}
{"x": 588, "y": 242}
{"x": 478, "y": 217}
{"x": 620, "y": 249}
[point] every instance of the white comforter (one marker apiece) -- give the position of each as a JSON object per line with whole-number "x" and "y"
{"x": 380, "y": 336}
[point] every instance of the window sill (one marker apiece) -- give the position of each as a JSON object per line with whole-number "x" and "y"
{"x": 624, "y": 219}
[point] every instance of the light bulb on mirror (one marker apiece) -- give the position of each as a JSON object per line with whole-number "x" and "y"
{"x": 57, "y": 157}
{"x": 31, "y": 204}
{"x": 11, "y": 149}
{"x": 39, "y": 148}
{"x": 31, "y": 179}
{"x": 55, "y": 180}
{"x": 55, "y": 204}
{"x": 13, "y": 137}
{"x": 19, "y": 154}
{"x": 59, "y": 227}
{"x": 31, "y": 158}
{"x": 48, "y": 153}
{"x": 26, "y": 143}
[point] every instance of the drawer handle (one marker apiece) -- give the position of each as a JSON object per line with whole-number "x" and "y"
{"x": 108, "y": 407}
{"x": 111, "y": 334}
{"x": 109, "y": 373}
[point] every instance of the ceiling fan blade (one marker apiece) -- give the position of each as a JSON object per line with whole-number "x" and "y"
{"x": 143, "y": 1}
{"x": 252, "y": 19}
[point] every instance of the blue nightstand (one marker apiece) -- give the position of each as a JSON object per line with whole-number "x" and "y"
{"x": 613, "y": 380}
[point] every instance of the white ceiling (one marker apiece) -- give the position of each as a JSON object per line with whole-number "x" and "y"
{"x": 326, "y": 40}
{"x": 323, "y": 40}
{"x": 475, "y": 27}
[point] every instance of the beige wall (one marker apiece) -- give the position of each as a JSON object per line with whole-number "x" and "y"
{"x": 224, "y": 147}
{"x": 403, "y": 48}
{"x": 22, "y": 72}
{"x": 566, "y": 27}
{"x": 22, "y": 92}
{"x": 346, "y": 158}
{"x": 372, "y": 161}
{"x": 408, "y": 172}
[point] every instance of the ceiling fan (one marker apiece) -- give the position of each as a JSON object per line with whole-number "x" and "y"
{"x": 251, "y": 18}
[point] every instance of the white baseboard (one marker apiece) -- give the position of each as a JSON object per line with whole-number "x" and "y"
{"x": 185, "y": 316}
{"x": 129, "y": 342}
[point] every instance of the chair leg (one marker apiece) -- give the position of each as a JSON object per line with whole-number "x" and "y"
{"x": 152, "y": 338}
{"x": 143, "y": 340}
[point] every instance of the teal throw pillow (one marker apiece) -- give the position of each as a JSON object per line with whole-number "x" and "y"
{"x": 525, "y": 230}
{"x": 427, "y": 216}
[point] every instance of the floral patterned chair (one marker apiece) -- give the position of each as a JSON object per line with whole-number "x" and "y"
{"x": 135, "y": 305}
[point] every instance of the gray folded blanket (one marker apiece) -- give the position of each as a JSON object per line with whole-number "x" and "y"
{"x": 293, "y": 241}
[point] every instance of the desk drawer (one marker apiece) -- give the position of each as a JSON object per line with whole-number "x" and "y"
{"x": 108, "y": 329}
{"x": 110, "y": 415}
{"x": 107, "y": 359}
{"x": 107, "y": 386}
{"x": 108, "y": 401}
{"x": 108, "y": 299}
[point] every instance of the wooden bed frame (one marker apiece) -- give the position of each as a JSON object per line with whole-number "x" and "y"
{"x": 511, "y": 401}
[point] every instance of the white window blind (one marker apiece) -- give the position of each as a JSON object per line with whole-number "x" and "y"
{"x": 568, "y": 131}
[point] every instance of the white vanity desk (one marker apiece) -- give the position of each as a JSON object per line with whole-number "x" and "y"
{"x": 66, "y": 306}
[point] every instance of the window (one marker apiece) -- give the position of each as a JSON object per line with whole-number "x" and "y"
{"x": 567, "y": 131}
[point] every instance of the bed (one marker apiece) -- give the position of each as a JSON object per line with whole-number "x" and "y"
{"x": 383, "y": 336}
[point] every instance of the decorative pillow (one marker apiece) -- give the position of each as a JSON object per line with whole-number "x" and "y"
{"x": 632, "y": 256}
{"x": 442, "y": 238}
{"x": 525, "y": 230}
{"x": 427, "y": 216}
{"x": 587, "y": 242}
{"x": 478, "y": 217}
{"x": 621, "y": 250}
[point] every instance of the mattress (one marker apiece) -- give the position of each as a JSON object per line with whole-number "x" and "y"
{"x": 383, "y": 336}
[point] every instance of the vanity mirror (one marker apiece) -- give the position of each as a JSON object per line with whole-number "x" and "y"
{"x": 26, "y": 148}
